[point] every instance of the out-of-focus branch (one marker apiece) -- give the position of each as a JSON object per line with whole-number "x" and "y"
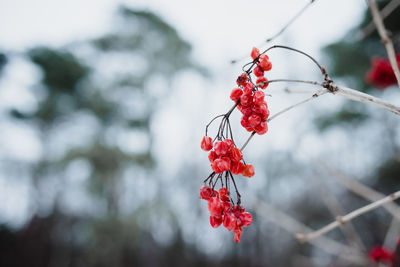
{"x": 293, "y": 226}
{"x": 386, "y": 11}
{"x": 387, "y": 42}
{"x": 340, "y": 220}
{"x": 359, "y": 189}
{"x": 335, "y": 209}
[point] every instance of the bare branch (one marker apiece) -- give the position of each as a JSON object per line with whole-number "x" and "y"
{"x": 340, "y": 220}
{"x": 360, "y": 189}
{"x": 387, "y": 42}
{"x": 386, "y": 11}
{"x": 293, "y": 226}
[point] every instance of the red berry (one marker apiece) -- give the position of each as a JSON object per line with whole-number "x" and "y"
{"x": 206, "y": 192}
{"x": 237, "y": 167}
{"x": 248, "y": 170}
{"x": 215, "y": 221}
{"x": 245, "y": 219}
{"x": 258, "y": 71}
{"x": 238, "y": 233}
{"x": 215, "y": 207}
{"x": 264, "y": 57}
{"x": 246, "y": 100}
{"x": 242, "y": 79}
{"x": 221, "y": 148}
{"x": 223, "y": 194}
{"x": 254, "y": 120}
{"x": 236, "y": 154}
{"x": 245, "y": 122}
{"x": 246, "y": 111}
{"x": 262, "y": 80}
{"x": 206, "y": 143}
{"x": 230, "y": 143}
{"x": 255, "y": 53}
{"x": 236, "y": 93}
{"x": 229, "y": 221}
{"x": 226, "y": 206}
{"x": 262, "y": 128}
{"x": 266, "y": 65}
{"x": 247, "y": 88}
{"x": 258, "y": 97}
{"x": 215, "y": 166}
{"x": 212, "y": 156}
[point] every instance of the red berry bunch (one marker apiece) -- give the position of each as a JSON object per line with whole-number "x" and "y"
{"x": 222, "y": 211}
{"x": 251, "y": 102}
{"x": 225, "y": 158}
{"x": 381, "y": 74}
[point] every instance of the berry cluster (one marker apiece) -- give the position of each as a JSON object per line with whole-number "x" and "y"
{"x": 225, "y": 158}
{"x": 233, "y": 217}
{"x": 381, "y": 74}
{"x": 250, "y": 100}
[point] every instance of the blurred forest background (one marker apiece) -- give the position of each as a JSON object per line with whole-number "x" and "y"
{"x": 98, "y": 197}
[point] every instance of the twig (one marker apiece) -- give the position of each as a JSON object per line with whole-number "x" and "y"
{"x": 298, "y": 14}
{"x": 387, "y": 42}
{"x": 335, "y": 209}
{"x": 386, "y": 11}
{"x": 317, "y": 94}
{"x": 293, "y": 226}
{"x": 340, "y": 220}
{"x": 360, "y": 189}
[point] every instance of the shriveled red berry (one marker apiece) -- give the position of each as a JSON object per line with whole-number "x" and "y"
{"x": 206, "y": 192}
{"x": 229, "y": 221}
{"x": 237, "y": 167}
{"x": 242, "y": 79}
{"x": 245, "y": 219}
{"x": 215, "y": 207}
{"x": 258, "y": 97}
{"x": 258, "y": 71}
{"x": 246, "y": 100}
{"x": 236, "y": 154}
{"x": 245, "y": 122}
{"x": 212, "y": 156}
{"x": 266, "y": 65}
{"x": 206, "y": 143}
{"x": 238, "y": 233}
{"x": 226, "y": 206}
{"x": 223, "y": 194}
{"x": 248, "y": 171}
{"x": 215, "y": 221}
{"x": 262, "y": 128}
{"x": 221, "y": 148}
{"x": 254, "y": 120}
{"x": 262, "y": 80}
{"x": 246, "y": 111}
{"x": 264, "y": 57}
{"x": 215, "y": 166}
{"x": 255, "y": 53}
{"x": 230, "y": 143}
{"x": 247, "y": 88}
{"x": 236, "y": 94}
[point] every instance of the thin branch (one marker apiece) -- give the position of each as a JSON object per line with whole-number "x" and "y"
{"x": 335, "y": 209}
{"x": 293, "y": 226}
{"x": 386, "y": 11}
{"x": 360, "y": 189}
{"x": 340, "y": 220}
{"x": 282, "y": 30}
{"x": 290, "y": 22}
{"x": 387, "y": 42}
